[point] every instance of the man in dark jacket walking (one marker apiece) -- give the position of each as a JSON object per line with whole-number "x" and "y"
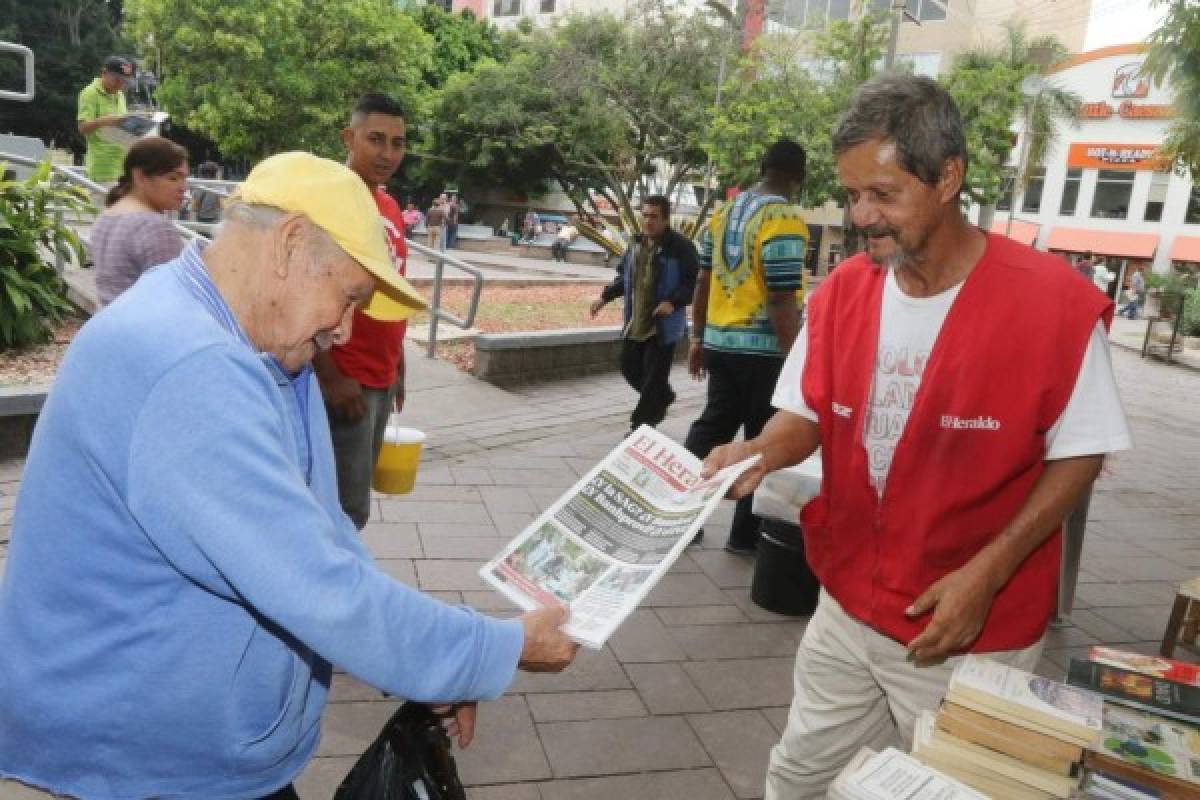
{"x": 657, "y": 277}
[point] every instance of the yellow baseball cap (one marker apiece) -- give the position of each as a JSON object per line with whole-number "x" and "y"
{"x": 335, "y": 198}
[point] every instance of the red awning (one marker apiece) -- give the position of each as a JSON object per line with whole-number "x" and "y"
{"x": 1023, "y": 232}
{"x": 1103, "y": 243}
{"x": 1186, "y": 248}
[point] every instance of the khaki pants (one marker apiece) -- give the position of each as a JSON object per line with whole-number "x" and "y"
{"x": 433, "y": 236}
{"x": 854, "y": 688}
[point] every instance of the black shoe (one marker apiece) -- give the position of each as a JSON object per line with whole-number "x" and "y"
{"x": 737, "y": 548}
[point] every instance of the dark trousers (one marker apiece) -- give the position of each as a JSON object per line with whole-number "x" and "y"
{"x": 739, "y": 397}
{"x": 647, "y": 368}
{"x": 286, "y": 793}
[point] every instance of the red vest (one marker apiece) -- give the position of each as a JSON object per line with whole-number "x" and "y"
{"x": 999, "y": 376}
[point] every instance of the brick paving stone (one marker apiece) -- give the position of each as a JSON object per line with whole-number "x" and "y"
{"x": 708, "y": 642}
{"x": 511, "y": 791}
{"x": 741, "y": 598}
{"x": 684, "y": 590}
{"x": 606, "y": 746}
{"x": 449, "y": 529}
{"x": 436, "y": 511}
{"x": 567, "y": 706}
{"x": 685, "y": 562}
{"x": 488, "y": 601}
{"x": 560, "y": 478}
{"x": 777, "y": 716}
{"x": 471, "y": 476}
{"x": 743, "y": 683}
{"x": 1152, "y": 569}
{"x": 477, "y": 549}
{"x": 450, "y": 575}
{"x": 740, "y": 743}
{"x": 392, "y": 540}
{"x": 399, "y": 568}
{"x": 438, "y": 476}
{"x": 700, "y": 615}
{"x": 453, "y": 494}
{"x": 344, "y": 688}
{"x": 322, "y": 776}
{"x": 506, "y": 747}
{"x": 1095, "y": 626}
{"x": 508, "y": 499}
{"x": 348, "y": 728}
{"x": 510, "y": 459}
{"x": 693, "y": 784}
{"x": 666, "y": 689}
{"x": 725, "y": 570}
{"x": 1104, "y": 595}
{"x": 510, "y": 524}
{"x": 1143, "y": 622}
{"x": 592, "y": 670}
{"x": 642, "y": 637}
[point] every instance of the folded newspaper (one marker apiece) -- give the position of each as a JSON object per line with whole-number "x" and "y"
{"x": 603, "y": 545}
{"x": 134, "y": 126}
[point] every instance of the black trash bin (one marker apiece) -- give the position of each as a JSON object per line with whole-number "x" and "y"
{"x": 783, "y": 582}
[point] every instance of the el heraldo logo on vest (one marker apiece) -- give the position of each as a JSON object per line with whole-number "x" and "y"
{"x": 953, "y": 423}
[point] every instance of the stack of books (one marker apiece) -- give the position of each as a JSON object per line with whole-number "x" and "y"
{"x": 892, "y": 775}
{"x": 1150, "y": 746}
{"x": 1009, "y": 733}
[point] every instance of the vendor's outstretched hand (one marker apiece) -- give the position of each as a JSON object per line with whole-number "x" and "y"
{"x": 727, "y": 454}
{"x": 547, "y": 649}
{"x": 459, "y": 721}
{"x": 960, "y": 602}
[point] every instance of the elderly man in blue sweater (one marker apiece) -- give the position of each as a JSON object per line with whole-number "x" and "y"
{"x": 181, "y": 577}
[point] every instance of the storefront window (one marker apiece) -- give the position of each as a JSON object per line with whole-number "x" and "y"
{"x": 506, "y": 8}
{"x": 1070, "y": 195}
{"x": 1113, "y": 188}
{"x": 1031, "y": 203}
{"x": 547, "y": 6}
{"x": 1157, "y": 196}
{"x": 1193, "y": 210}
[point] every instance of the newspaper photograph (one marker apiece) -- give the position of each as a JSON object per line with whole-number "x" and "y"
{"x": 602, "y": 546}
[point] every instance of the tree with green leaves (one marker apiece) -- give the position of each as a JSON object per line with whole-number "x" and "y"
{"x": 262, "y": 76}
{"x": 989, "y": 85}
{"x": 70, "y": 40}
{"x": 460, "y": 41}
{"x": 595, "y": 106}
{"x": 1175, "y": 58}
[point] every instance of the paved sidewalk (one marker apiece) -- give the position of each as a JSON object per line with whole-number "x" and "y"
{"x": 687, "y": 698}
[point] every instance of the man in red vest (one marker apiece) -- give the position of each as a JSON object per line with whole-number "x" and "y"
{"x": 363, "y": 379}
{"x": 959, "y": 386}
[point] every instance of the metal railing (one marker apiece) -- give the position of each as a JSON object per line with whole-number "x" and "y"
{"x": 27, "y": 54}
{"x": 190, "y": 231}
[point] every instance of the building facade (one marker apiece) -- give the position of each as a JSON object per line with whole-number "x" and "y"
{"x": 1103, "y": 187}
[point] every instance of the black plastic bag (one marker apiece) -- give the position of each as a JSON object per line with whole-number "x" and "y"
{"x": 410, "y": 760}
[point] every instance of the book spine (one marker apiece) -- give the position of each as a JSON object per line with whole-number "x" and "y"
{"x": 1136, "y": 690}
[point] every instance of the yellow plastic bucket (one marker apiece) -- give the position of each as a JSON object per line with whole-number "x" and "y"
{"x": 396, "y": 469}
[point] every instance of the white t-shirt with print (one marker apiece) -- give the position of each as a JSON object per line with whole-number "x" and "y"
{"x": 1093, "y": 422}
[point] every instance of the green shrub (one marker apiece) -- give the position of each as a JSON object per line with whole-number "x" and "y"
{"x": 1191, "y": 314}
{"x": 32, "y": 294}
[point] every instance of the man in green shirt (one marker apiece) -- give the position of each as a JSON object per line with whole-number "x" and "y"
{"x": 101, "y": 105}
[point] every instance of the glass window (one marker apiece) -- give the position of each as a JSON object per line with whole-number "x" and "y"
{"x": 1193, "y": 210}
{"x": 839, "y": 9}
{"x": 547, "y": 6}
{"x": 1157, "y": 196}
{"x": 931, "y": 11}
{"x": 444, "y": 5}
{"x": 1031, "y": 203}
{"x": 1113, "y": 188}
{"x": 926, "y": 64}
{"x": 506, "y": 8}
{"x": 1070, "y": 195}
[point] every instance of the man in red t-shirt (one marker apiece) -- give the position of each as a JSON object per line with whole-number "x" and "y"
{"x": 363, "y": 379}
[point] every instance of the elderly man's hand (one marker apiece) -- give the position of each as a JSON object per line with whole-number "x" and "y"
{"x": 547, "y": 649}
{"x": 960, "y": 602}
{"x": 345, "y": 396}
{"x": 727, "y": 454}
{"x": 459, "y": 721}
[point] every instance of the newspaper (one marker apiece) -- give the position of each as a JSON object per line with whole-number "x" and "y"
{"x": 892, "y": 775}
{"x": 605, "y": 543}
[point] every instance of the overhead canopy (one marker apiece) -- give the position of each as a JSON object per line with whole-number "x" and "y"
{"x": 1102, "y": 242}
{"x": 1186, "y": 248}
{"x": 1023, "y": 232}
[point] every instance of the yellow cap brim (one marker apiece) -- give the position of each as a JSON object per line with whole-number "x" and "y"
{"x": 394, "y": 299}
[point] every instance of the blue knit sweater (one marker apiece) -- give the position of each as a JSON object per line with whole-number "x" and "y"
{"x": 181, "y": 576}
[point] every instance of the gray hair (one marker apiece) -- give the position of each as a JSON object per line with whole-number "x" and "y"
{"x": 913, "y": 112}
{"x": 263, "y": 217}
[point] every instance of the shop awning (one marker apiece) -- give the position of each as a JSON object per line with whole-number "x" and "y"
{"x": 1103, "y": 243}
{"x": 1023, "y": 232}
{"x": 1186, "y": 248}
